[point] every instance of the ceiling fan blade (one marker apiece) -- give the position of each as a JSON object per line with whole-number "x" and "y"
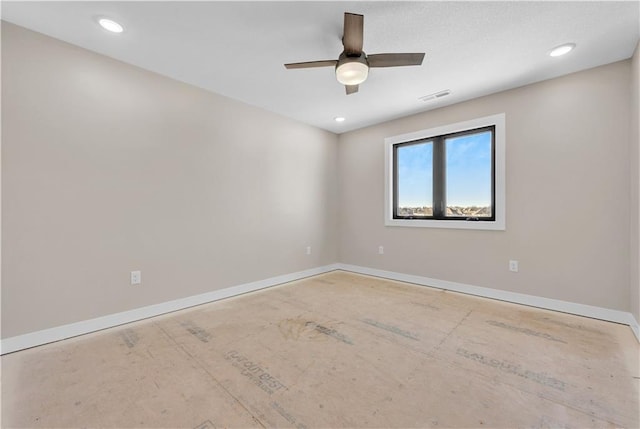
{"x": 353, "y": 31}
{"x": 310, "y": 64}
{"x": 395, "y": 60}
{"x": 351, "y": 89}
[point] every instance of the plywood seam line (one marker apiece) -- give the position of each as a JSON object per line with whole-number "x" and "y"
{"x": 204, "y": 368}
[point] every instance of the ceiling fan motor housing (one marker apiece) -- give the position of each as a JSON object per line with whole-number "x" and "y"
{"x": 352, "y": 70}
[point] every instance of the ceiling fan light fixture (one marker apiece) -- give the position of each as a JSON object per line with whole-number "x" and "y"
{"x": 352, "y": 66}
{"x": 352, "y": 71}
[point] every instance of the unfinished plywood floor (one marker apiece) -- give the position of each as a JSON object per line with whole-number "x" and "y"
{"x": 336, "y": 350}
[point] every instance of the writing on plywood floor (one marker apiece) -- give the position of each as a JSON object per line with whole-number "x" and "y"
{"x": 336, "y": 350}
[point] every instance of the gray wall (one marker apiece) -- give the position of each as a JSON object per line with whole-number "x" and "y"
{"x": 635, "y": 184}
{"x": 107, "y": 168}
{"x": 568, "y": 210}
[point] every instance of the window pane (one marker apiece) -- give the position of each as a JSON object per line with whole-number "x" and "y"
{"x": 468, "y": 175}
{"x": 415, "y": 179}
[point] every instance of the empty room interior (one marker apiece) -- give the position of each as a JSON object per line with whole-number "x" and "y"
{"x": 320, "y": 214}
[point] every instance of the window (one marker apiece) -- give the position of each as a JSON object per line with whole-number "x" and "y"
{"x": 447, "y": 177}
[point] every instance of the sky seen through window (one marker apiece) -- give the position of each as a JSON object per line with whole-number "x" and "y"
{"x": 468, "y": 172}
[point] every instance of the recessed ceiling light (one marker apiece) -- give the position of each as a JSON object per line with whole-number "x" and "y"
{"x": 562, "y": 49}
{"x": 339, "y": 119}
{"x": 110, "y": 25}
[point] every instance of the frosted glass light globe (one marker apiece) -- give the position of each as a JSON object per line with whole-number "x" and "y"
{"x": 352, "y": 73}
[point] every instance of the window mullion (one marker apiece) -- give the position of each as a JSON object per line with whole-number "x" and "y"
{"x": 438, "y": 178}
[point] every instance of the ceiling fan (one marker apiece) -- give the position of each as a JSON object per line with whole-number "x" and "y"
{"x": 352, "y": 66}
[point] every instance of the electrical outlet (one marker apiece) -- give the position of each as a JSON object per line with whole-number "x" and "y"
{"x": 308, "y": 250}
{"x": 513, "y": 266}
{"x": 380, "y": 250}
{"x": 136, "y": 277}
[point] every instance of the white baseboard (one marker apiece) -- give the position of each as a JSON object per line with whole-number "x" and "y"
{"x": 45, "y": 336}
{"x": 21, "y": 342}
{"x": 593, "y": 312}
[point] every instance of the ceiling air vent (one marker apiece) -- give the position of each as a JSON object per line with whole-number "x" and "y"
{"x": 435, "y": 95}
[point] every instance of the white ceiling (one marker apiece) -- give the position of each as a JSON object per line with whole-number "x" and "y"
{"x": 238, "y": 48}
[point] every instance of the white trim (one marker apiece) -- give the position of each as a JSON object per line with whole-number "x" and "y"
{"x": 45, "y": 336}
{"x": 593, "y": 312}
{"x": 500, "y": 170}
{"x": 32, "y": 339}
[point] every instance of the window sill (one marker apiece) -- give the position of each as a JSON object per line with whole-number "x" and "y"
{"x": 447, "y": 224}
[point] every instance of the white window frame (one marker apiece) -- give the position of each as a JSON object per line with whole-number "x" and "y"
{"x": 499, "y": 224}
